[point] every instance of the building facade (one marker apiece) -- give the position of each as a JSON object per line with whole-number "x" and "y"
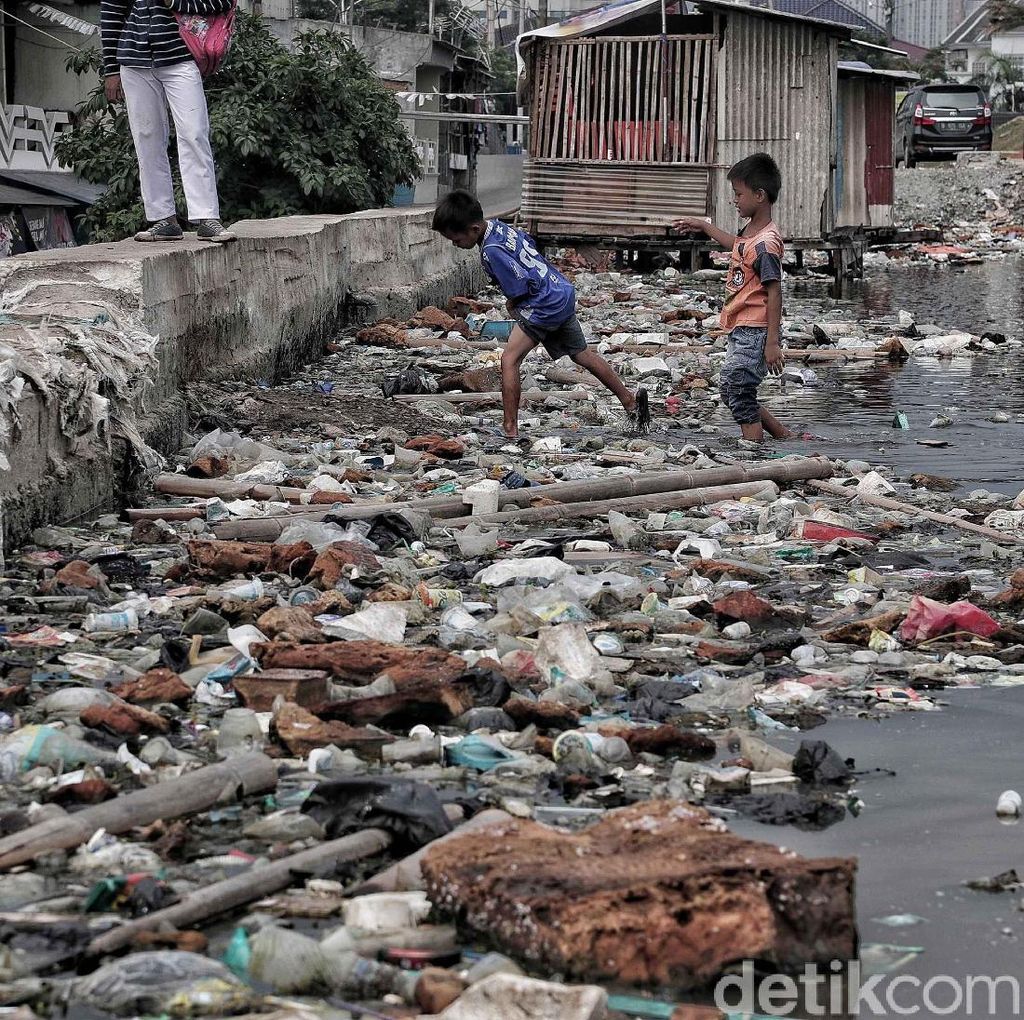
{"x": 928, "y": 22}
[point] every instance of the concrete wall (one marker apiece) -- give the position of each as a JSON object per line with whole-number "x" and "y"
{"x": 260, "y": 307}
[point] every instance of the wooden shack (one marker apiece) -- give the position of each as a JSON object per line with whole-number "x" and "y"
{"x": 638, "y": 109}
{"x": 864, "y": 176}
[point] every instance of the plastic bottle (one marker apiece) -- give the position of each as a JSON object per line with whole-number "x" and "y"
{"x": 238, "y": 954}
{"x": 413, "y": 752}
{"x": 239, "y": 732}
{"x": 111, "y": 622}
{"x": 45, "y": 745}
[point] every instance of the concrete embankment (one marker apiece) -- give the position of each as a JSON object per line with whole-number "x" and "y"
{"x": 99, "y": 344}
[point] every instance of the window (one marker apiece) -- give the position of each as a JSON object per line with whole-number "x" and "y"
{"x": 953, "y": 99}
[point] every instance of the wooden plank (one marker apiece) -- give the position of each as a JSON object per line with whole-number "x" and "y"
{"x": 589, "y": 96}
{"x": 684, "y": 107}
{"x": 558, "y": 109}
{"x": 649, "y": 118}
{"x": 614, "y": 99}
{"x": 706, "y": 85}
{"x": 541, "y": 144}
{"x": 577, "y": 98}
{"x": 677, "y": 113}
{"x": 601, "y": 113}
{"x": 711, "y": 138}
{"x": 638, "y": 99}
{"x": 663, "y": 52}
{"x": 625, "y": 83}
{"x": 695, "y": 154}
{"x": 568, "y": 65}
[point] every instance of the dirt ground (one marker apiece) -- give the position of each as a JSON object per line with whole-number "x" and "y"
{"x": 259, "y": 412}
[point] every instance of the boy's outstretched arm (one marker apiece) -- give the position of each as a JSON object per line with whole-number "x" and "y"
{"x": 773, "y": 346}
{"x": 703, "y": 226}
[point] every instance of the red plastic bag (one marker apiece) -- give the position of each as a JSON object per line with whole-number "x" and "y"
{"x": 208, "y": 37}
{"x": 928, "y": 618}
{"x": 818, "y": 531}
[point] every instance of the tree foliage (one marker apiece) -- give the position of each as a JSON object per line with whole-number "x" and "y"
{"x": 404, "y": 15}
{"x": 506, "y": 77}
{"x": 932, "y": 66}
{"x": 1005, "y": 15}
{"x": 309, "y": 131}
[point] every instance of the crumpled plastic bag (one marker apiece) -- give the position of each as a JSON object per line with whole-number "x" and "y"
{"x": 928, "y": 618}
{"x": 412, "y": 812}
{"x": 819, "y": 764}
{"x": 811, "y": 814}
{"x": 410, "y": 380}
{"x": 146, "y": 983}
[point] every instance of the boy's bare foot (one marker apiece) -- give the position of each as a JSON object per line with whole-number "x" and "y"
{"x": 511, "y": 431}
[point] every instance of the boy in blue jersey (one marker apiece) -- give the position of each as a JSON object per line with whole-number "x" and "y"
{"x": 540, "y": 299}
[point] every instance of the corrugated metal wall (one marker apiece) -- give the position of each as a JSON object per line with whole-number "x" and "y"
{"x": 776, "y": 92}
{"x": 607, "y": 199}
{"x": 851, "y": 196}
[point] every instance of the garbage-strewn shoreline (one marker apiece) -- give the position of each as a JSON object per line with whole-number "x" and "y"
{"x": 342, "y": 627}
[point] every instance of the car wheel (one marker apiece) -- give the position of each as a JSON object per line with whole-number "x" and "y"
{"x": 908, "y": 155}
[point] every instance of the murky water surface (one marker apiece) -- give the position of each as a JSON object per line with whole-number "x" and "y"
{"x": 854, "y": 405}
{"x": 932, "y": 825}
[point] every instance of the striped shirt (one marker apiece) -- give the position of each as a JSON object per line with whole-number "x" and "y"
{"x": 144, "y": 33}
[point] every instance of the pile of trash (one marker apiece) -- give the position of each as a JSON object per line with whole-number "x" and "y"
{"x": 978, "y": 201}
{"x": 430, "y": 718}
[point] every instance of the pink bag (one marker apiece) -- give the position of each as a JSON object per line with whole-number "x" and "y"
{"x": 208, "y": 37}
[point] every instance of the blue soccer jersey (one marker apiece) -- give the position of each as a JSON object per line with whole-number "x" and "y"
{"x": 512, "y": 261}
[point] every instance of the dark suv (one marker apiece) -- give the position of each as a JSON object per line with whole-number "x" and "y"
{"x": 935, "y": 120}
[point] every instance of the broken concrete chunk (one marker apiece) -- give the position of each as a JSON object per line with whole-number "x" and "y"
{"x": 329, "y": 567}
{"x": 216, "y": 560}
{"x": 290, "y": 623}
{"x": 305, "y": 687}
{"x": 301, "y": 732}
{"x": 657, "y": 893}
{"x": 360, "y": 662}
{"x": 158, "y": 686}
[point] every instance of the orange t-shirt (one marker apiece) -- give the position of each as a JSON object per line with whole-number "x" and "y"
{"x": 756, "y": 260}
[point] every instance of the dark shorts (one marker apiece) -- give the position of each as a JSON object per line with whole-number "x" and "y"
{"x": 744, "y": 370}
{"x": 565, "y": 339}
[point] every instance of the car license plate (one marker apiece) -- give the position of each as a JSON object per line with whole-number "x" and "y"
{"x": 953, "y": 127}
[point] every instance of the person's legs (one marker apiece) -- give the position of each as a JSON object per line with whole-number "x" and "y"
{"x": 518, "y": 346}
{"x": 147, "y": 116}
{"x": 773, "y": 426}
{"x": 605, "y": 374}
{"x": 183, "y": 85}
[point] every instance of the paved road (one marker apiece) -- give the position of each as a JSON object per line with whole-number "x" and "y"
{"x": 496, "y": 202}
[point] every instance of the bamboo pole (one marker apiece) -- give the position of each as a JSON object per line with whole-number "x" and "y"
{"x": 624, "y": 504}
{"x": 183, "y": 485}
{"x": 885, "y": 503}
{"x": 569, "y": 377}
{"x": 187, "y": 794}
{"x": 492, "y": 397}
{"x": 609, "y": 487}
{"x": 235, "y": 892}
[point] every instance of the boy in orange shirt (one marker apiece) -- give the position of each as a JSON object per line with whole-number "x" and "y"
{"x": 753, "y": 306}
